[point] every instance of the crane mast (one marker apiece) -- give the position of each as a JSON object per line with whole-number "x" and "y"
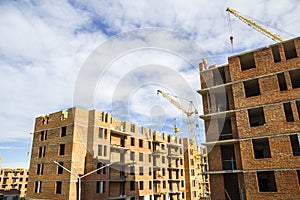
{"x": 189, "y": 112}
{"x": 255, "y": 25}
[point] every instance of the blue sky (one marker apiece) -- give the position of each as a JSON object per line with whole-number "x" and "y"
{"x": 45, "y": 44}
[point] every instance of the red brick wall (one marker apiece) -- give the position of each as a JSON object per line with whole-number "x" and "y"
{"x": 286, "y": 182}
{"x": 217, "y": 186}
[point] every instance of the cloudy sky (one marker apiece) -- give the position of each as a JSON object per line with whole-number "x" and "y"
{"x": 114, "y": 55}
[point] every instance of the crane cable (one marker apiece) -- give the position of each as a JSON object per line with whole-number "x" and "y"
{"x": 230, "y": 31}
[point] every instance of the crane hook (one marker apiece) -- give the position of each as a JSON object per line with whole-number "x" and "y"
{"x": 231, "y": 42}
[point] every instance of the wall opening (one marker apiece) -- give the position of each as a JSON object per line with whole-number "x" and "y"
{"x": 140, "y": 143}
{"x": 132, "y": 128}
{"x": 261, "y": 148}
{"x": 298, "y": 107}
{"x": 228, "y": 157}
{"x": 231, "y": 185}
{"x": 141, "y": 157}
{"x": 59, "y": 168}
{"x": 132, "y": 185}
{"x": 132, "y": 155}
{"x": 276, "y": 54}
{"x": 141, "y": 171}
{"x": 58, "y": 187}
{"x": 62, "y": 149}
{"x": 131, "y": 170}
{"x": 100, "y": 187}
{"x": 251, "y": 88}
{"x": 256, "y": 117}
{"x": 103, "y": 170}
{"x": 288, "y": 112}
{"x": 222, "y": 102}
{"x": 289, "y": 50}
{"x": 295, "y": 78}
{"x": 141, "y": 185}
{"x": 44, "y": 135}
{"x": 298, "y": 175}
{"x": 281, "y": 82}
{"x": 38, "y": 169}
{"x": 295, "y": 144}
{"x": 100, "y": 135}
{"x": 44, "y": 151}
{"x": 247, "y": 61}
{"x": 40, "y": 152}
{"x": 266, "y": 181}
{"x": 122, "y": 141}
{"x": 63, "y": 131}
{"x": 225, "y": 129}
{"x": 206, "y": 98}
{"x": 37, "y": 185}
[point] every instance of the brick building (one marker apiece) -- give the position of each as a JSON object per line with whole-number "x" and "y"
{"x": 195, "y": 171}
{"x": 253, "y": 136}
{"x": 202, "y": 178}
{"x": 14, "y": 179}
{"x": 146, "y": 165}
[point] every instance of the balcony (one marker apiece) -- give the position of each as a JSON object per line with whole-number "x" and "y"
{"x": 158, "y": 191}
{"x": 118, "y": 146}
{"x": 119, "y": 129}
{"x": 198, "y": 156}
{"x": 156, "y": 166}
{"x": 176, "y": 191}
{"x": 159, "y": 151}
{"x": 174, "y": 154}
{"x": 173, "y": 166}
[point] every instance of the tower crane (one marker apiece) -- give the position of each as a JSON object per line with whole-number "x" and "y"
{"x": 254, "y": 25}
{"x": 190, "y": 112}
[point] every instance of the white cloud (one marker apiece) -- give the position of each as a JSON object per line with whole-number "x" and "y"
{"x": 43, "y": 45}
{"x": 41, "y": 54}
{"x": 5, "y": 148}
{"x": 200, "y": 19}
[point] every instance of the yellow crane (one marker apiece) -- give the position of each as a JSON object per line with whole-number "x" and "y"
{"x": 254, "y": 25}
{"x": 190, "y": 112}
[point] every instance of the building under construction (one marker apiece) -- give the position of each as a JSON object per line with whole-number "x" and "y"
{"x": 252, "y": 114}
{"x": 145, "y": 164}
{"x": 13, "y": 179}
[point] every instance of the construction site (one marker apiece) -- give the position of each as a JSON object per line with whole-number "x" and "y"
{"x": 251, "y": 114}
{"x": 134, "y": 162}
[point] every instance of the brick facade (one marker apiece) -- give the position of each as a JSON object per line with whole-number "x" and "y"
{"x": 252, "y": 137}
{"x": 146, "y": 165}
{"x": 14, "y": 179}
